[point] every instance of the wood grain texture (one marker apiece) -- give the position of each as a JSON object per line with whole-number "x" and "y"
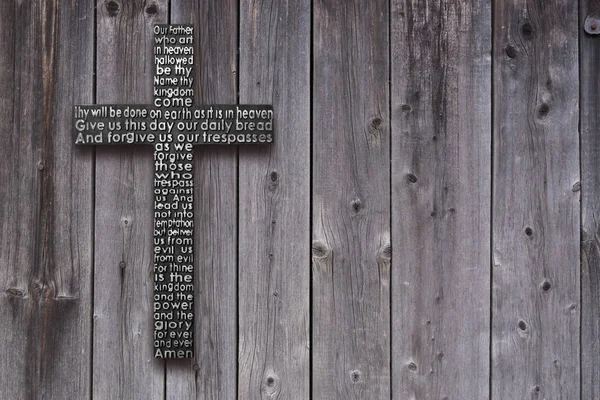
{"x": 45, "y": 201}
{"x": 213, "y": 373}
{"x": 274, "y": 204}
{"x": 441, "y": 196}
{"x": 536, "y": 221}
{"x": 351, "y": 203}
{"x": 590, "y": 210}
{"x": 124, "y": 364}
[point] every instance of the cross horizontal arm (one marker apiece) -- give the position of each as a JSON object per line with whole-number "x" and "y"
{"x": 148, "y": 124}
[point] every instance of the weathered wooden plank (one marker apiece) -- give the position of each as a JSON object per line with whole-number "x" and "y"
{"x": 441, "y": 196}
{"x": 536, "y": 222}
{"x": 274, "y": 200}
{"x": 124, "y": 365}
{"x": 213, "y": 373}
{"x": 590, "y": 210}
{"x": 45, "y": 201}
{"x": 351, "y": 201}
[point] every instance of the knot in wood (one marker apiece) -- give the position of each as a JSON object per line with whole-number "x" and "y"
{"x": 320, "y": 249}
{"x": 356, "y": 205}
{"x": 15, "y": 292}
{"x": 152, "y": 9}
{"x": 412, "y": 178}
{"x": 273, "y": 180}
{"x": 112, "y": 7}
{"x": 523, "y": 329}
{"x": 511, "y": 52}
{"x": 38, "y": 287}
{"x": 271, "y": 383}
{"x": 385, "y": 252}
{"x": 543, "y": 110}
{"x": 527, "y": 30}
{"x": 546, "y": 285}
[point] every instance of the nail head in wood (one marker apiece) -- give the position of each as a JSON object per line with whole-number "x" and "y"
{"x": 591, "y": 26}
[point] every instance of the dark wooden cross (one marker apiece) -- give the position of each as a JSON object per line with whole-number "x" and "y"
{"x": 173, "y": 125}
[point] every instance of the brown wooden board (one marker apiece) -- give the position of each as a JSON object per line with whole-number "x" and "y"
{"x": 536, "y": 220}
{"x": 124, "y": 363}
{"x": 441, "y": 186}
{"x": 45, "y": 201}
{"x": 274, "y": 187}
{"x": 351, "y": 201}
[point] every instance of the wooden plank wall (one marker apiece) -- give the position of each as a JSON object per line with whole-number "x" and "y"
{"x": 413, "y": 232}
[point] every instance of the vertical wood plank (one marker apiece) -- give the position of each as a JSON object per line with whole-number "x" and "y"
{"x": 351, "y": 201}
{"x": 536, "y": 220}
{"x": 124, "y": 365}
{"x": 441, "y": 196}
{"x": 45, "y": 201}
{"x": 274, "y": 204}
{"x": 213, "y": 373}
{"x": 590, "y": 209}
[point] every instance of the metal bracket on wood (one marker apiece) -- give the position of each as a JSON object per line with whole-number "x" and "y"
{"x": 592, "y": 21}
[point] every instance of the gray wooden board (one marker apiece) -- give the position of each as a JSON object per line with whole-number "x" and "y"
{"x": 45, "y": 201}
{"x": 212, "y": 374}
{"x": 590, "y": 210}
{"x": 274, "y": 187}
{"x": 441, "y": 187}
{"x": 536, "y": 221}
{"x": 351, "y": 203}
{"x": 124, "y": 364}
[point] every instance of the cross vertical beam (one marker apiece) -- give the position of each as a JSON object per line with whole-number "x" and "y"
{"x": 173, "y": 200}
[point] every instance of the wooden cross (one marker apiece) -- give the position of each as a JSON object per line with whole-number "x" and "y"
{"x": 173, "y": 125}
